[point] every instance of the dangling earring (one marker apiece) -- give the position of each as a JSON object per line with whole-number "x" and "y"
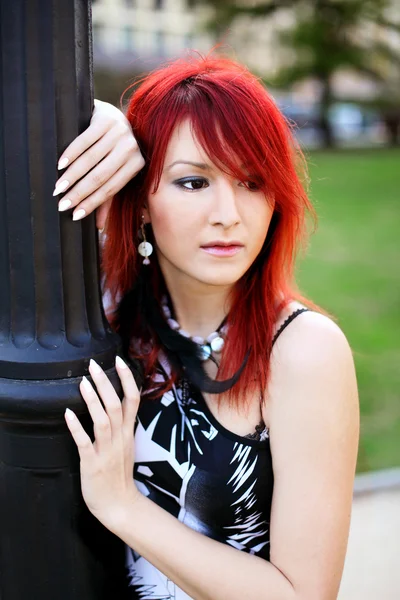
{"x": 144, "y": 248}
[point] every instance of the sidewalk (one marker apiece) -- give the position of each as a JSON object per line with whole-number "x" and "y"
{"x": 372, "y": 568}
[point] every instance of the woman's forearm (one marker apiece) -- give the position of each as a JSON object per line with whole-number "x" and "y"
{"x": 204, "y": 568}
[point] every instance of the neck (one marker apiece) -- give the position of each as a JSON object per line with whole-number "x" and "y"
{"x": 199, "y": 309}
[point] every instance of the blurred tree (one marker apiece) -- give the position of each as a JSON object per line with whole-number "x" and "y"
{"x": 329, "y": 35}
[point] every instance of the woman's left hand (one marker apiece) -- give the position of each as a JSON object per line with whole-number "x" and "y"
{"x": 106, "y": 466}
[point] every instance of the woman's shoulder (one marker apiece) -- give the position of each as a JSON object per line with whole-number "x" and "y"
{"x": 287, "y": 313}
{"x": 310, "y": 361}
{"x": 311, "y": 337}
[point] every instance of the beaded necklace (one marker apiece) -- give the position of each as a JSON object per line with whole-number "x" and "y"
{"x": 212, "y": 343}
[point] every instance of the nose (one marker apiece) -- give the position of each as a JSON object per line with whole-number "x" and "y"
{"x": 224, "y": 210}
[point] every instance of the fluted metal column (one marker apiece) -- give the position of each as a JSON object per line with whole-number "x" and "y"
{"x": 51, "y": 316}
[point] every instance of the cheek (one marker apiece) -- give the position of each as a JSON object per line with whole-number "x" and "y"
{"x": 163, "y": 224}
{"x": 173, "y": 225}
{"x": 258, "y": 223}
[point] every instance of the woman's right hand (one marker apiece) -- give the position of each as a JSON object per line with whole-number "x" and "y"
{"x": 98, "y": 163}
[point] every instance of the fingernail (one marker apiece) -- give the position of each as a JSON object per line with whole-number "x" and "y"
{"x": 79, "y": 214}
{"x": 69, "y": 414}
{"x": 120, "y": 363}
{"x": 86, "y": 383}
{"x": 61, "y": 187}
{"x": 62, "y": 163}
{"x": 94, "y": 366}
{"x": 64, "y": 204}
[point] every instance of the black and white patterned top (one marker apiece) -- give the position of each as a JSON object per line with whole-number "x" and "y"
{"x": 216, "y": 482}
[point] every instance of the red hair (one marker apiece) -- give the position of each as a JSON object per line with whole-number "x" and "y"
{"x": 228, "y": 108}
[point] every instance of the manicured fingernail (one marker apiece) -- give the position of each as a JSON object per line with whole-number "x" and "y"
{"x": 64, "y": 204}
{"x": 86, "y": 383}
{"x": 79, "y": 214}
{"x": 94, "y": 366}
{"x": 120, "y": 363}
{"x": 62, "y": 163}
{"x": 69, "y": 414}
{"x": 61, "y": 187}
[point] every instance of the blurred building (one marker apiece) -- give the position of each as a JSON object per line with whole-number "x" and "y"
{"x": 139, "y": 34}
{"x": 142, "y": 33}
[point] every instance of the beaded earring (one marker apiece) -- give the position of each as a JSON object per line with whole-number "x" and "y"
{"x": 144, "y": 248}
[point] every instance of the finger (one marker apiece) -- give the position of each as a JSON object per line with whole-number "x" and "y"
{"x": 81, "y": 143}
{"x": 81, "y": 438}
{"x": 105, "y": 192}
{"x": 131, "y": 400}
{"x": 100, "y": 175}
{"x": 109, "y": 397}
{"x": 101, "y": 421}
{"x": 83, "y": 164}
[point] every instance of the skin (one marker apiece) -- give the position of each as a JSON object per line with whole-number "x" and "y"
{"x": 193, "y": 206}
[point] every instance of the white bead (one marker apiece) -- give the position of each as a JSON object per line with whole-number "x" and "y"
{"x": 145, "y": 249}
{"x": 198, "y": 340}
{"x": 184, "y": 333}
{"x": 173, "y": 324}
{"x": 166, "y": 311}
{"x": 205, "y": 352}
{"x": 212, "y": 336}
{"x": 217, "y": 344}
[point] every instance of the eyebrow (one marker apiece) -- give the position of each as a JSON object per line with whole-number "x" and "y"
{"x": 189, "y": 162}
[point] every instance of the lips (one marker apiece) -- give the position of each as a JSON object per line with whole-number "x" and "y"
{"x": 222, "y": 249}
{"x": 222, "y": 244}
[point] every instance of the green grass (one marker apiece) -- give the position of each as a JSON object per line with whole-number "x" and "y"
{"x": 352, "y": 270}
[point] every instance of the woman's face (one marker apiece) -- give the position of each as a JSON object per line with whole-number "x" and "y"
{"x": 208, "y": 227}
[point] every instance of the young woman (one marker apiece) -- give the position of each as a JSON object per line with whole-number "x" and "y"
{"x": 244, "y": 448}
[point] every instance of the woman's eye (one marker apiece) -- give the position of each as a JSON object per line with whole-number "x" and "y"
{"x": 195, "y": 183}
{"x": 253, "y": 186}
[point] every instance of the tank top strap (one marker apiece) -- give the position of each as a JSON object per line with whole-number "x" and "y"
{"x": 290, "y": 318}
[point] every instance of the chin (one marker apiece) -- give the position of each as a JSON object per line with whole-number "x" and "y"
{"x": 219, "y": 277}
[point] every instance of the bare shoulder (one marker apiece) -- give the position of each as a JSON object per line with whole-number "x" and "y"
{"x": 307, "y": 357}
{"x": 310, "y": 337}
{"x": 310, "y": 360}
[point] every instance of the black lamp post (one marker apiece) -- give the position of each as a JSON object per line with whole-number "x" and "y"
{"x": 51, "y": 316}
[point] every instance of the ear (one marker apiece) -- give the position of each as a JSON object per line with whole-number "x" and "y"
{"x": 146, "y": 214}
